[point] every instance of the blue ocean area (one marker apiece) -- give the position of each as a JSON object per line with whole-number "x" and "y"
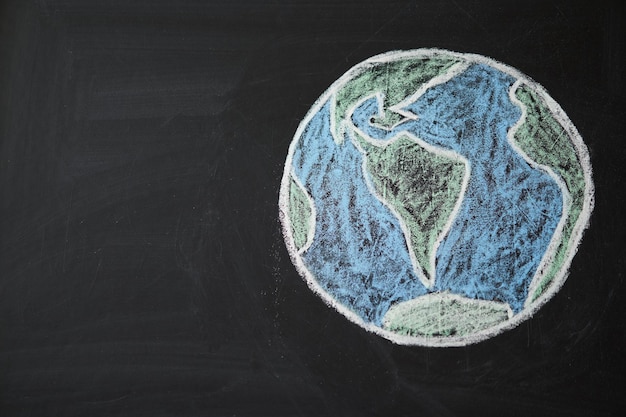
{"x": 359, "y": 253}
{"x": 506, "y": 220}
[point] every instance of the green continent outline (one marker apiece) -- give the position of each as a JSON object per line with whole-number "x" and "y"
{"x": 547, "y": 142}
{"x": 422, "y": 187}
{"x": 444, "y": 314}
{"x": 300, "y": 214}
{"x": 396, "y": 80}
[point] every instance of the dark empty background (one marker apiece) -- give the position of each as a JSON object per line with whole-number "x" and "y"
{"x": 142, "y": 267}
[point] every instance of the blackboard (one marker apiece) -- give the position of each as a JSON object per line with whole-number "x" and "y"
{"x": 142, "y": 267}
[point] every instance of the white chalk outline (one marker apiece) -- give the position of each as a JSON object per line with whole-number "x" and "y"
{"x": 446, "y": 296}
{"x": 450, "y": 154}
{"x": 550, "y": 252}
{"x": 312, "y": 219}
{"x": 579, "y": 227}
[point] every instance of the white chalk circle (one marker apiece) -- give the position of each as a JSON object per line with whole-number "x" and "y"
{"x": 435, "y": 198}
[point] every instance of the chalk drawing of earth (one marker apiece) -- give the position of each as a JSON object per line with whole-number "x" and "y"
{"x": 435, "y": 198}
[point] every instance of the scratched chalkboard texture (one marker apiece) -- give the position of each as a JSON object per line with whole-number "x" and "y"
{"x": 143, "y": 270}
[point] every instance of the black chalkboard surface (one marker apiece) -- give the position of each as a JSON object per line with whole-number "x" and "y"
{"x": 142, "y": 266}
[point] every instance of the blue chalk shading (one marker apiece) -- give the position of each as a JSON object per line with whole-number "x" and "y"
{"x": 510, "y": 210}
{"x": 505, "y": 222}
{"x": 359, "y": 253}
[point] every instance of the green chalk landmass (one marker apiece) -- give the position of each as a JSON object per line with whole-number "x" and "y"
{"x": 396, "y": 80}
{"x": 300, "y": 212}
{"x": 444, "y": 314}
{"x": 421, "y": 186}
{"x": 546, "y": 142}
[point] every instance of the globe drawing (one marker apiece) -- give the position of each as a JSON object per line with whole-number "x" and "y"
{"x": 435, "y": 198}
